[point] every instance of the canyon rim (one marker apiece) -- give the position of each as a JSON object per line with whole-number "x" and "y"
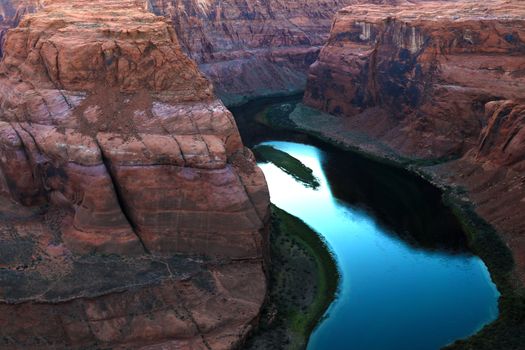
{"x": 131, "y": 213}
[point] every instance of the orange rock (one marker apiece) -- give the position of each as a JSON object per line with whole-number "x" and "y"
{"x": 120, "y": 173}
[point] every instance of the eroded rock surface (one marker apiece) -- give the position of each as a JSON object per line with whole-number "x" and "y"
{"x": 433, "y": 82}
{"x": 247, "y": 49}
{"x": 132, "y": 214}
{"x": 251, "y": 48}
{"x": 11, "y": 11}
{"x": 432, "y": 66}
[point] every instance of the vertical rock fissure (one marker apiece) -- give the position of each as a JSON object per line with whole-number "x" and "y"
{"x": 193, "y": 321}
{"x": 176, "y": 141}
{"x": 48, "y": 74}
{"x": 119, "y": 196}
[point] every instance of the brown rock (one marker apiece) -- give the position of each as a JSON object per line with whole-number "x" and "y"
{"x": 250, "y": 48}
{"x": 11, "y": 11}
{"x": 432, "y": 67}
{"x": 431, "y": 82}
{"x": 246, "y": 49}
{"x": 127, "y": 221}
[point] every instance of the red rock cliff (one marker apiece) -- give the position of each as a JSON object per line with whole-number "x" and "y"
{"x": 433, "y": 66}
{"x": 251, "y": 48}
{"x": 247, "y": 48}
{"x": 435, "y": 81}
{"x": 121, "y": 172}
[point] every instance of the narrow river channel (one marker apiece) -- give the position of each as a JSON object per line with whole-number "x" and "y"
{"x": 408, "y": 280}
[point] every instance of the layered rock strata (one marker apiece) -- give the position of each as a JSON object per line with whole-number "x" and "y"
{"x": 433, "y": 82}
{"x": 11, "y": 11}
{"x": 432, "y": 67}
{"x": 132, "y": 214}
{"x": 250, "y": 48}
{"x": 247, "y": 49}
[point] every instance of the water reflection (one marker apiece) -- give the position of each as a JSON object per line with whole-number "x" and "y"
{"x": 411, "y": 286}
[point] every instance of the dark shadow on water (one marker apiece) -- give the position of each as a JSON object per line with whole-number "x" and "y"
{"x": 406, "y": 205}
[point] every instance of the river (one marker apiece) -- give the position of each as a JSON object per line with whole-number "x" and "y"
{"x": 408, "y": 280}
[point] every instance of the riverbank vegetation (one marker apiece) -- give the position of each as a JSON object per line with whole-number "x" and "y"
{"x": 288, "y": 164}
{"x": 303, "y": 283}
{"x": 508, "y": 331}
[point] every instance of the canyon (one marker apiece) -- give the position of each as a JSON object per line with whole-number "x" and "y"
{"x": 132, "y": 214}
{"x": 251, "y": 49}
{"x": 439, "y": 85}
{"x": 248, "y": 49}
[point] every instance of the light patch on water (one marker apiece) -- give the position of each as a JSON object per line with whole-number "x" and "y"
{"x": 392, "y": 295}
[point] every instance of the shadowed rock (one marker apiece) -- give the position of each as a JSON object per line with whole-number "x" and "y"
{"x": 434, "y": 82}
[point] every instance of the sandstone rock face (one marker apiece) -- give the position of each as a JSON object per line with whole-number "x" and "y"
{"x": 132, "y": 214}
{"x": 247, "y": 49}
{"x": 251, "y": 48}
{"x": 435, "y": 81}
{"x": 11, "y": 11}
{"x": 432, "y": 67}
{"x": 493, "y": 172}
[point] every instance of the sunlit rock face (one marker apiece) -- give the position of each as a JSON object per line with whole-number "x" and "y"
{"x": 121, "y": 172}
{"x": 436, "y": 81}
{"x": 248, "y": 49}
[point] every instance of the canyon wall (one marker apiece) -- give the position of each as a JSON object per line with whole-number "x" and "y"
{"x": 247, "y": 49}
{"x": 432, "y": 66}
{"x": 251, "y": 48}
{"x": 433, "y": 82}
{"x": 132, "y": 215}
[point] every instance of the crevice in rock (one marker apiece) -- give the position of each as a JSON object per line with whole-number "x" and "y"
{"x": 48, "y": 74}
{"x": 372, "y": 74}
{"x": 119, "y": 196}
{"x": 176, "y": 141}
{"x": 193, "y": 321}
{"x": 509, "y": 139}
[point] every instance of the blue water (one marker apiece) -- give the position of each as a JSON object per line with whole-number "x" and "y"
{"x": 392, "y": 295}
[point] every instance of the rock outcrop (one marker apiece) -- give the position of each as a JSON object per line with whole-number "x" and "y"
{"x": 493, "y": 173}
{"x": 132, "y": 214}
{"x": 433, "y": 82}
{"x": 247, "y": 49}
{"x": 250, "y": 48}
{"x": 11, "y": 11}
{"x": 432, "y": 67}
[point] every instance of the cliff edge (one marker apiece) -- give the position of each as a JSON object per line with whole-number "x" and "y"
{"x": 132, "y": 214}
